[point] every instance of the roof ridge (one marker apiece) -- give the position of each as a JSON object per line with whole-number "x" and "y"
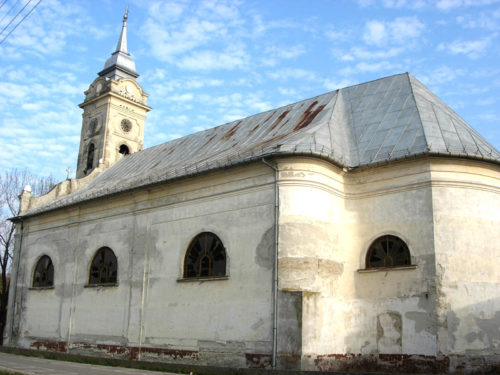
{"x": 410, "y": 83}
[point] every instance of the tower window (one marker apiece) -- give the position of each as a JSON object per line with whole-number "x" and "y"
{"x": 93, "y": 126}
{"x": 90, "y": 157}
{"x": 44, "y": 273}
{"x": 124, "y": 150}
{"x": 205, "y": 257}
{"x": 388, "y": 251}
{"x": 104, "y": 267}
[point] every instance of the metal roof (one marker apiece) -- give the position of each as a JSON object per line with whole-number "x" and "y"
{"x": 375, "y": 122}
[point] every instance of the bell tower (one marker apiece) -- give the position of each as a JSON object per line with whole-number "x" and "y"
{"x": 114, "y": 112}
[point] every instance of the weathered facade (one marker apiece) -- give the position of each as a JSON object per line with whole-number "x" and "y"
{"x": 357, "y": 230}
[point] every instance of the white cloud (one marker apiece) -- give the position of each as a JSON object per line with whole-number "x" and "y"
{"x": 273, "y": 55}
{"x": 486, "y": 101}
{"x": 181, "y": 97}
{"x": 400, "y": 31}
{"x": 361, "y": 53}
{"x": 471, "y": 48}
{"x": 337, "y": 35}
{"x": 287, "y": 91}
{"x": 440, "y": 75}
{"x": 452, "y": 4}
{"x": 375, "y": 33}
{"x": 231, "y": 58}
{"x": 261, "y": 28}
{"x": 193, "y": 26}
{"x": 285, "y": 53}
{"x": 174, "y": 9}
{"x": 488, "y": 21}
{"x": 175, "y": 120}
{"x": 415, "y": 4}
{"x": 233, "y": 115}
{"x": 197, "y": 83}
{"x": 292, "y": 73}
{"x": 364, "y": 67}
{"x": 412, "y": 4}
{"x": 46, "y": 31}
{"x": 334, "y": 84}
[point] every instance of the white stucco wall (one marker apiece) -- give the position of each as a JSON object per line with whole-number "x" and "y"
{"x": 149, "y": 231}
{"x": 328, "y": 219}
{"x": 466, "y": 201}
{"x": 439, "y": 314}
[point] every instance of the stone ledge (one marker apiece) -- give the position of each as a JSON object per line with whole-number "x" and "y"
{"x": 384, "y": 269}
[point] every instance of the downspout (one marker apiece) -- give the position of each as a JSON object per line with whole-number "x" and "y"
{"x": 13, "y": 284}
{"x": 275, "y": 264}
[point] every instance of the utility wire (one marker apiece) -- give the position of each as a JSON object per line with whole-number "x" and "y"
{"x": 17, "y": 14}
{"x": 1, "y": 5}
{"x": 15, "y": 27}
{"x": 12, "y": 7}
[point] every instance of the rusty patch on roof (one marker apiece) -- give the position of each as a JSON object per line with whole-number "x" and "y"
{"x": 209, "y": 140}
{"x": 308, "y": 116}
{"x": 269, "y": 117}
{"x": 231, "y": 131}
{"x": 279, "y": 119}
{"x": 254, "y": 129}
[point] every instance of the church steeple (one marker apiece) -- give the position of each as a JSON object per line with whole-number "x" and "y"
{"x": 114, "y": 112}
{"x": 120, "y": 64}
{"x": 122, "y": 42}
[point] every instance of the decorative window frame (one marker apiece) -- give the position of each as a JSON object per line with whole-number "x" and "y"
{"x": 89, "y": 274}
{"x": 32, "y": 281}
{"x": 363, "y": 261}
{"x": 184, "y": 254}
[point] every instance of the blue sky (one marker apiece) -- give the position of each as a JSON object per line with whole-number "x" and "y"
{"x": 205, "y": 63}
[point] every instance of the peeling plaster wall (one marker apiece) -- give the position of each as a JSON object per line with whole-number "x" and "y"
{"x": 466, "y": 201}
{"x": 149, "y": 314}
{"x": 441, "y": 314}
{"x": 327, "y": 221}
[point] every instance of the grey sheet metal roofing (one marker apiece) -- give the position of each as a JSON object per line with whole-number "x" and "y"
{"x": 375, "y": 122}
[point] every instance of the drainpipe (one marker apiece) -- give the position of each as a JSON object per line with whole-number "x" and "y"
{"x": 13, "y": 282}
{"x": 275, "y": 265}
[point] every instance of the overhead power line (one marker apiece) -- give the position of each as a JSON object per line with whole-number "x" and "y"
{"x": 22, "y": 19}
{"x": 3, "y": 2}
{"x": 17, "y": 14}
{"x": 10, "y": 10}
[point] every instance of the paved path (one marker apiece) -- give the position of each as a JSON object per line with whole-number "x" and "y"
{"x": 41, "y": 366}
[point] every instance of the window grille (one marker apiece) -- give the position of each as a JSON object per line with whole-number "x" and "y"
{"x": 388, "y": 251}
{"x": 104, "y": 268}
{"x": 205, "y": 257}
{"x": 44, "y": 273}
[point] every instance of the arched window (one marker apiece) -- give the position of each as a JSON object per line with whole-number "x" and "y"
{"x": 44, "y": 273}
{"x": 205, "y": 257}
{"x": 388, "y": 251}
{"x": 90, "y": 157}
{"x": 104, "y": 267}
{"x": 124, "y": 150}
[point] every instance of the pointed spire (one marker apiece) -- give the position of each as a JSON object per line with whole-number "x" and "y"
{"x": 122, "y": 42}
{"x": 120, "y": 64}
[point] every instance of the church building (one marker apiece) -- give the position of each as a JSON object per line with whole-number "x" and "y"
{"x": 356, "y": 230}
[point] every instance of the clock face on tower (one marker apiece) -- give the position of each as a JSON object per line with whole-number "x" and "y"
{"x": 126, "y": 125}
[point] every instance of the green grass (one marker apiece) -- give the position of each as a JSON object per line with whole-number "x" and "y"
{"x": 5, "y": 372}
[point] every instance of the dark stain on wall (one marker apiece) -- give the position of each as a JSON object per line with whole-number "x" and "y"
{"x": 265, "y": 249}
{"x": 289, "y": 330}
